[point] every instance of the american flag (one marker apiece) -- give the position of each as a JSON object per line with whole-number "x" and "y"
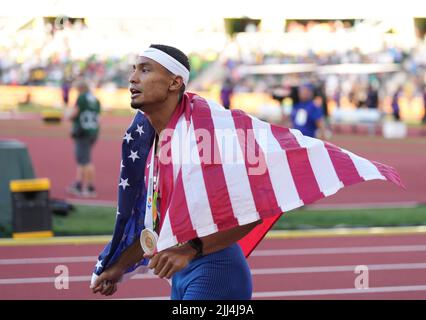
{"x": 223, "y": 168}
{"x": 136, "y": 145}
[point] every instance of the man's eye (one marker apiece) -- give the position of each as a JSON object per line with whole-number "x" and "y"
{"x": 145, "y": 69}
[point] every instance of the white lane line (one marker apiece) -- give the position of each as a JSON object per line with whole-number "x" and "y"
{"x": 256, "y": 253}
{"x": 325, "y": 269}
{"x": 258, "y": 271}
{"x": 48, "y": 260}
{"x": 338, "y": 250}
{"x": 43, "y": 280}
{"x": 71, "y": 279}
{"x": 322, "y": 292}
{"x": 304, "y": 293}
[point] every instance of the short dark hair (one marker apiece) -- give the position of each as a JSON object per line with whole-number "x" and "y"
{"x": 173, "y": 52}
{"x": 178, "y": 55}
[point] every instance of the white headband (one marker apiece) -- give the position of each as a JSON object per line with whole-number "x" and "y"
{"x": 167, "y": 62}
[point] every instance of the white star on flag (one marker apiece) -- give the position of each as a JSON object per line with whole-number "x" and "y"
{"x": 118, "y": 213}
{"x": 140, "y": 130}
{"x": 124, "y": 183}
{"x": 121, "y": 165}
{"x": 128, "y": 137}
{"x": 134, "y": 155}
{"x": 99, "y": 264}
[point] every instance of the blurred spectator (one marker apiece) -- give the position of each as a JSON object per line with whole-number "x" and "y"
{"x": 395, "y": 104}
{"x": 85, "y": 130}
{"x": 226, "y": 93}
{"x": 372, "y": 97}
{"x": 320, "y": 99}
{"x": 66, "y": 86}
{"x": 306, "y": 116}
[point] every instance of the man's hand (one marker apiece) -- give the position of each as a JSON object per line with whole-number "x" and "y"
{"x": 106, "y": 283}
{"x": 166, "y": 263}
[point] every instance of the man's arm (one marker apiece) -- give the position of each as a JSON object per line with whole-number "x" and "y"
{"x": 169, "y": 261}
{"x": 106, "y": 282}
{"x": 224, "y": 239}
{"x": 71, "y": 113}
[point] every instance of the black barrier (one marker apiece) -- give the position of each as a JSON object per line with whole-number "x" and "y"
{"x": 15, "y": 163}
{"x": 31, "y": 214}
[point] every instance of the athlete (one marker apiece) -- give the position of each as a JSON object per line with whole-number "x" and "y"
{"x": 210, "y": 267}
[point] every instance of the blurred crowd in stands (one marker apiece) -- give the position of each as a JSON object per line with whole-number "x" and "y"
{"x": 55, "y": 57}
{"x": 357, "y": 89}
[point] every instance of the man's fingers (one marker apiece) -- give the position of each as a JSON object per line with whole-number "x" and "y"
{"x": 97, "y": 282}
{"x": 165, "y": 269}
{"x": 111, "y": 289}
{"x": 153, "y": 263}
{"x": 97, "y": 286}
{"x": 108, "y": 290}
{"x": 171, "y": 272}
{"x": 161, "y": 262}
{"x": 105, "y": 287}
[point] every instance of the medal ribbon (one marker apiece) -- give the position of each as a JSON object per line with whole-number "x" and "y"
{"x": 151, "y": 213}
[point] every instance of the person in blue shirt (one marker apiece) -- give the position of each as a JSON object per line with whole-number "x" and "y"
{"x": 395, "y": 104}
{"x": 306, "y": 116}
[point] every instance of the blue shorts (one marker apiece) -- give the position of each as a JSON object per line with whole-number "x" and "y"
{"x": 222, "y": 275}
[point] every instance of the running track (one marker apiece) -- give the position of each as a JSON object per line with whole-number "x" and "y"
{"x": 301, "y": 268}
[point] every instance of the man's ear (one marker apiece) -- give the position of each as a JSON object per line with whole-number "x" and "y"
{"x": 176, "y": 83}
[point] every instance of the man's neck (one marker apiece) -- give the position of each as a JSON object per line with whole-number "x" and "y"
{"x": 162, "y": 114}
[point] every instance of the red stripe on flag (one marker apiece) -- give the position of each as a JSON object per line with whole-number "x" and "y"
{"x": 165, "y": 163}
{"x": 300, "y": 167}
{"x": 389, "y": 173}
{"x": 166, "y": 182}
{"x": 251, "y": 240}
{"x": 180, "y": 220}
{"x": 343, "y": 164}
{"x": 213, "y": 175}
{"x": 258, "y": 173}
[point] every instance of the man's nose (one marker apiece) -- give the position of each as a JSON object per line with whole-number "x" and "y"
{"x": 133, "y": 78}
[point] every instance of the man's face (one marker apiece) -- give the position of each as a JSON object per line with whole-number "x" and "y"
{"x": 149, "y": 83}
{"x": 305, "y": 94}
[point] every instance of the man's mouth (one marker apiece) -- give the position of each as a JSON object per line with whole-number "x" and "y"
{"x": 135, "y": 92}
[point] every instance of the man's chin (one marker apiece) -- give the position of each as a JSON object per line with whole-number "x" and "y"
{"x": 136, "y": 105}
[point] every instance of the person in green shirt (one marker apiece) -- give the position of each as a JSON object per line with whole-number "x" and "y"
{"x": 85, "y": 131}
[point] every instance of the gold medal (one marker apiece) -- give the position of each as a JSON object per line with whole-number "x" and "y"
{"x": 148, "y": 240}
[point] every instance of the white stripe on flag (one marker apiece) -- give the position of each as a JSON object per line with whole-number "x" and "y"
{"x": 195, "y": 190}
{"x": 366, "y": 169}
{"x": 325, "y": 174}
{"x": 166, "y": 238}
{"x": 234, "y": 168}
{"x": 279, "y": 170}
{"x": 178, "y": 137}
